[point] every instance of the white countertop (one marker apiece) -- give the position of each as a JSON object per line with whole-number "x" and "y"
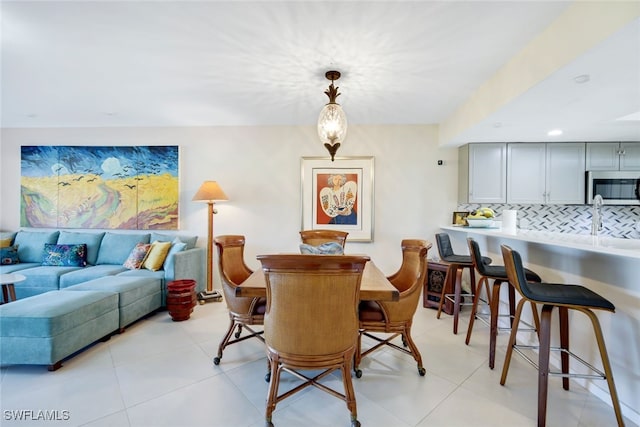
{"x": 601, "y": 244}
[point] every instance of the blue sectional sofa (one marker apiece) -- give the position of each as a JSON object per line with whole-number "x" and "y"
{"x": 61, "y": 309}
{"x": 106, "y": 254}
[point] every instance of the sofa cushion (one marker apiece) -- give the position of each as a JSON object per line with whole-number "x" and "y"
{"x": 138, "y": 296}
{"x": 157, "y": 255}
{"x": 189, "y": 240}
{"x": 7, "y": 236}
{"x": 116, "y": 247}
{"x": 9, "y": 255}
{"x": 64, "y": 255}
{"x": 5, "y": 243}
{"x": 12, "y": 268}
{"x": 137, "y": 256}
{"x": 41, "y": 279}
{"x": 89, "y": 273}
{"x": 31, "y": 243}
{"x": 92, "y": 240}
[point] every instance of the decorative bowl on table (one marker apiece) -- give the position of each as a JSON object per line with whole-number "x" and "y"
{"x": 480, "y": 222}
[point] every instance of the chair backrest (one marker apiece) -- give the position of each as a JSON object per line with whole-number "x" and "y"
{"x": 476, "y": 256}
{"x": 318, "y": 237}
{"x": 412, "y": 271}
{"x": 409, "y": 280}
{"x": 515, "y": 271}
{"x": 233, "y": 270}
{"x": 443, "y": 242}
{"x": 312, "y": 303}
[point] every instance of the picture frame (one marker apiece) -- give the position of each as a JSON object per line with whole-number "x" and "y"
{"x": 347, "y": 204}
{"x": 459, "y": 217}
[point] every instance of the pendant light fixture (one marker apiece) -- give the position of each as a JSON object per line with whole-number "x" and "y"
{"x": 332, "y": 123}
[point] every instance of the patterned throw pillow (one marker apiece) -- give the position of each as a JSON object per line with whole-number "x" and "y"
{"x": 9, "y": 255}
{"x": 137, "y": 256}
{"x": 64, "y": 255}
{"x": 329, "y": 248}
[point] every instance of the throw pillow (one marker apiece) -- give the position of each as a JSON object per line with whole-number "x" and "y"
{"x": 329, "y": 248}
{"x": 157, "y": 255}
{"x": 9, "y": 255}
{"x": 5, "y": 243}
{"x": 137, "y": 256}
{"x": 176, "y": 246}
{"x": 64, "y": 255}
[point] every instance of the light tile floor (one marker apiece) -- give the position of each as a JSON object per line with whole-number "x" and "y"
{"x": 160, "y": 373}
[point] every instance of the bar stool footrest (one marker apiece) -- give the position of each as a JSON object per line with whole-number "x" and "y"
{"x": 598, "y": 373}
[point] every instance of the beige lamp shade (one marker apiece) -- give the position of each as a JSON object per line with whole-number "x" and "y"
{"x": 209, "y": 191}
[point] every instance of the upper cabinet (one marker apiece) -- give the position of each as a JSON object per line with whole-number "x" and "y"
{"x": 613, "y": 156}
{"x": 545, "y": 173}
{"x": 482, "y": 172}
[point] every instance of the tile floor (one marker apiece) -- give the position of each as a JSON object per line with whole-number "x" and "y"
{"x": 160, "y": 373}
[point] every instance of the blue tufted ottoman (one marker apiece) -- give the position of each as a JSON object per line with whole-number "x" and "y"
{"x": 46, "y": 328}
{"x": 138, "y": 296}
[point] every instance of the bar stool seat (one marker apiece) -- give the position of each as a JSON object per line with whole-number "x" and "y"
{"x": 497, "y": 273}
{"x": 565, "y": 298}
{"x": 456, "y": 265}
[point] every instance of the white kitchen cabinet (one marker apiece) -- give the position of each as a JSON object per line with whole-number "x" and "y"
{"x": 545, "y": 173}
{"x": 613, "y": 156}
{"x": 482, "y": 173}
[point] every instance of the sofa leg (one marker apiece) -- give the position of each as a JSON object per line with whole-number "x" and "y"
{"x": 55, "y": 366}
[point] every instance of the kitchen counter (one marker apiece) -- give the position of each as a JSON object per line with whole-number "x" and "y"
{"x": 600, "y": 244}
{"x": 606, "y": 265}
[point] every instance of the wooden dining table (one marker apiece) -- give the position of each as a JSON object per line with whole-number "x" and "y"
{"x": 374, "y": 285}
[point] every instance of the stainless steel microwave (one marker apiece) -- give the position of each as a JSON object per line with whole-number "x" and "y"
{"x": 615, "y": 187}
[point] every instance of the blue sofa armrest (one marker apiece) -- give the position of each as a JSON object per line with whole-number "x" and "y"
{"x": 189, "y": 264}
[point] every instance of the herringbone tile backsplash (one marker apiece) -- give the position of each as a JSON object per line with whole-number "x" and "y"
{"x": 617, "y": 221}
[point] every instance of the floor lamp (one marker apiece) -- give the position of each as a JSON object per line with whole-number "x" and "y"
{"x": 210, "y": 192}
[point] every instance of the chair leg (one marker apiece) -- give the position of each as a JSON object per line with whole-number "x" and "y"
{"x": 543, "y": 363}
{"x": 512, "y": 341}
{"x": 563, "y": 314}
{"x": 474, "y": 309}
{"x": 349, "y": 393}
{"x": 272, "y": 396}
{"x": 605, "y": 364}
{"x": 451, "y": 271}
{"x": 224, "y": 342}
{"x": 406, "y": 335}
{"x": 493, "y": 330}
{"x": 456, "y": 297}
{"x": 357, "y": 356}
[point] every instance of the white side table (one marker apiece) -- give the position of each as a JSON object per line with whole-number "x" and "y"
{"x": 7, "y": 281}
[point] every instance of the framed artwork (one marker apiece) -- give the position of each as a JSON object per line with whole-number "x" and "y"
{"x": 126, "y": 187}
{"x": 338, "y": 195}
{"x": 460, "y": 218}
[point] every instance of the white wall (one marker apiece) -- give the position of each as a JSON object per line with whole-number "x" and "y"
{"x": 259, "y": 169}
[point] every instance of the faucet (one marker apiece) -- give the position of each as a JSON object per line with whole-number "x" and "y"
{"x": 596, "y": 215}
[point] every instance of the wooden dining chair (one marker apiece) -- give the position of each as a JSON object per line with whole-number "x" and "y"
{"x": 311, "y": 322}
{"x": 395, "y": 318}
{"x": 244, "y": 312}
{"x": 564, "y": 297}
{"x": 318, "y": 237}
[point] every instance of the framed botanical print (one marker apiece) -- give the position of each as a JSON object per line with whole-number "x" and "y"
{"x": 338, "y": 195}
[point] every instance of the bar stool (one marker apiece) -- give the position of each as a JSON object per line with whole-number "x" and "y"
{"x": 497, "y": 273}
{"x": 565, "y": 297}
{"x": 456, "y": 265}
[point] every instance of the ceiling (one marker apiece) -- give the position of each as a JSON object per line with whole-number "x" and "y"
{"x": 239, "y": 63}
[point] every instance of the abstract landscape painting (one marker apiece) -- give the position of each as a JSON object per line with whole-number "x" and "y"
{"x": 100, "y": 187}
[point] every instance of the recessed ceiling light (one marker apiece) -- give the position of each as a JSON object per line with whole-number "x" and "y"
{"x": 582, "y": 78}
{"x": 555, "y": 132}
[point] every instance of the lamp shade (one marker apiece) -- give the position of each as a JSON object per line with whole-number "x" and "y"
{"x": 332, "y": 124}
{"x": 209, "y": 191}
